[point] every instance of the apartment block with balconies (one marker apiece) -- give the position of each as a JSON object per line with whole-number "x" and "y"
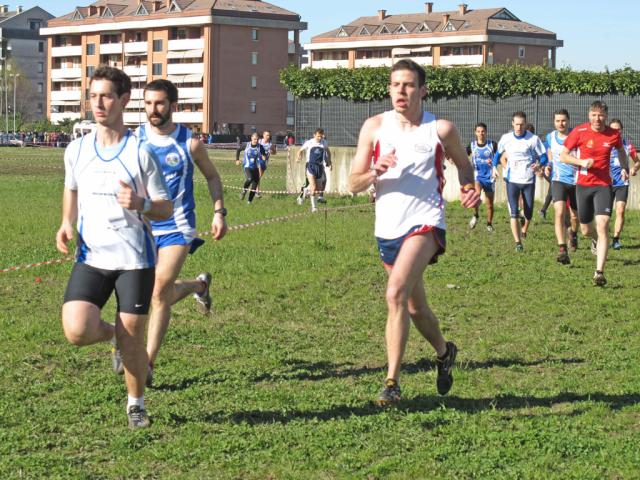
{"x": 464, "y": 37}
{"x": 224, "y": 57}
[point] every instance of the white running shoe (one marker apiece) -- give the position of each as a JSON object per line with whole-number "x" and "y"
{"x": 473, "y": 221}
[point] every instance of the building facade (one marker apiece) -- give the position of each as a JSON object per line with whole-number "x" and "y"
{"x": 464, "y": 37}
{"x": 23, "y": 57}
{"x": 223, "y": 55}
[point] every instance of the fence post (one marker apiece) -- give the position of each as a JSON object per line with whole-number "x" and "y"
{"x": 320, "y": 114}
{"x": 536, "y": 117}
{"x": 477, "y": 109}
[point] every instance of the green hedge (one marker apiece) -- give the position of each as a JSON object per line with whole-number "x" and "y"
{"x": 497, "y": 81}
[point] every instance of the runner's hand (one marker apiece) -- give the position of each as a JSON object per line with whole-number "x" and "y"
{"x": 218, "y": 227}
{"x": 63, "y": 236}
{"x": 128, "y": 199}
{"x": 386, "y": 162}
{"x": 468, "y": 196}
{"x": 587, "y": 163}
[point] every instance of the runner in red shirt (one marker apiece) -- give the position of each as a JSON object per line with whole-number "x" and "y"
{"x": 593, "y": 142}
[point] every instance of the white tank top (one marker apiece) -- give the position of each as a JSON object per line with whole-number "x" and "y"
{"x": 410, "y": 193}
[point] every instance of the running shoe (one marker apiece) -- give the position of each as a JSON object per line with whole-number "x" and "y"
{"x": 563, "y": 257}
{"x": 542, "y": 213}
{"x": 519, "y": 247}
{"x": 599, "y": 280}
{"x": 322, "y": 200}
{"x": 149, "y": 382}
{"x": 390, "y": 394}
{"x": 573, "y": 243}
{"x": 242, "y": 194}
{"x": 314, "y": 209}
{"x": 300, "y": 199}
{"x": 616, "y": 245}
{"x": 138, "y": 417}
{"x": 203, "y": 300}
{"x": 473, "y": 221}
{"x": 490, "y": 228}
{"x": 116, "y": 358}
{"x": 258, "y": 195}
{"x": 444, "y": 381}
{"x": 594, "y": 247}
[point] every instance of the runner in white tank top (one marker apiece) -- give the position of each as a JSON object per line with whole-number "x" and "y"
{"x": 402, "y": 151}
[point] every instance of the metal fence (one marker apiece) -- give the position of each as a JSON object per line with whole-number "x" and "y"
{"x": 342, "y": 119}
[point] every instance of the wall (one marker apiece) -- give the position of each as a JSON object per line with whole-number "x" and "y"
{"x": 338, "y": 178}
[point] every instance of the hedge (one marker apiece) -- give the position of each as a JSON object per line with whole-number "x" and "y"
{"x": 495, "y": 81}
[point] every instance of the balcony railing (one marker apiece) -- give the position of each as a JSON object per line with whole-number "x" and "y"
{"x": 66, "y": 73}
{"x": 136, "y": 70}
{"x": 68, "y": 51}
{"x": 66, "y": 95}
{"x": 330, "y": 63}
{"x": 188, "y": 117}
{"x": 110, "y": 48}
{"x": 58, "y": 117}
{"x": 135, "y": 47}
{"x": 449, "y": 60}
{"x": 186, "y": 44}
{"x": 184, "y": 68}
{"x": 194, "y": 94}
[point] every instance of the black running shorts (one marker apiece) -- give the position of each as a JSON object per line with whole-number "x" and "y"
{"x": 593, "y": 201}
{"x": 94, "y": 285}
{"x": 561, "y": 192}
{"x": 621, "y": 193}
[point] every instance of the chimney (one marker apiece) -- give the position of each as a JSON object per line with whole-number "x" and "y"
{"x": 157, "y": 5}
{"x": 429, "y": 7}
{"x": 445, "y": 18}
{"x": 100, "y": 10}
{"x": 382, "y": 14}
{"x": 3, "y": 8}
{"x": 93, "y": 10}
{"x": 19, "y": 9}
{"x": 462, "y": 8}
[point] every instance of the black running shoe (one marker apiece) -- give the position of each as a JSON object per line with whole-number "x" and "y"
{"x": 445, "y": 366}
{"x": 563, "y": 257}
{"x": 599, "y": 280}
{"x": 573, "y": 243}
{"x": 138, "y": 417}
{"x": 390, "y": 394}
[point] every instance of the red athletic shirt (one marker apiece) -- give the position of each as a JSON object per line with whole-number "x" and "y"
{"x": 596, "y": 145}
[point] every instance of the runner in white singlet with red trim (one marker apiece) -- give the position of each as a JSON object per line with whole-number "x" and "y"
{"x": 408, "y": 148}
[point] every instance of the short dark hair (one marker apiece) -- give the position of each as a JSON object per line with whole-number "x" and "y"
{"x": 412, "y": 66}
{"x": 616, "y": 120}
{"x": 561, "y": 111}
{"x": 600, "y": 106}
{"x": 162, "y": 85}
{"x": 116, "y": 76}
{"x": 519, "y": 114}
{"x": 480, "y": 124}
{"x": 319, "y": 130}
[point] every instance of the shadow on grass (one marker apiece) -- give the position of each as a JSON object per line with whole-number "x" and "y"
{"x": 420, "y": 403}
{"x": 303, "y": 370}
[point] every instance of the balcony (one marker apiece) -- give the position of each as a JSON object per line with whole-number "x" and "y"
{"x": 451, "y": 60}
{"x": 57, "y": 95}
{"x": 330, "y": 63}
{"x": 136, "y": 70}
{"x": 66, "y": 74}
{"x": 134, "y": 47}
{"x": 186, "y": 44}
{"x": 185, "y": 68}
{"x": 135, "y": 118}
{"x": 188, "y": 117}
{"x": 191, "y": 95}
{"x": 137, "y": 94}
{"x": 110, "y": 48}
{"x": 68, "y": 51}
{"x": 58, "y": 117}
{"x": 371, "y": 62}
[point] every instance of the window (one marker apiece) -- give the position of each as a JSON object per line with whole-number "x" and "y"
{"x": 40, "y": 47}
{"x": 520, "y": 52}
{"x": 254, "y": 58}
{"x": 157, "y": 45}
{"x": 157, "y": 69}
{"x": 34, "y": 24}
{"x": 91, "y": 48}
{"x": 138, "y": 37}
{"x": 90, "y": 70}
{"x": 254, "y": 34}
{"x": 40, "y": 67}
{"x": 254, "y": 81}
{"x": 253, "y": 107}
{"x": 40, "y": 87}
{"x": 40, "y": 109}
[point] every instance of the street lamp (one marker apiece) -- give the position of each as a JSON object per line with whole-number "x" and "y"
{"x": 6, "y": 89}
{"x": 14, "y": 101}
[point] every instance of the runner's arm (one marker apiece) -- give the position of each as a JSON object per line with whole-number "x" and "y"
{"x": 362, "y": 176}
{"x": 69, "y": 218}
{"x": 566, "y": 157}
{"x": 214, "y": 184}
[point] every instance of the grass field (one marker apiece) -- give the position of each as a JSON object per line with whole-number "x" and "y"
{"x": 278, "y": 383}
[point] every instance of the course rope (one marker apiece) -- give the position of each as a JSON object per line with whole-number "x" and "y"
{"x": 233, "y": 228}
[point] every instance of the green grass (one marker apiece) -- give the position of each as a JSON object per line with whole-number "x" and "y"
{"x": 279, "y": 382}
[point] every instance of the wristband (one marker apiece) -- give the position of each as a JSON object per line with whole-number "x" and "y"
{"x": 146, "y": 205}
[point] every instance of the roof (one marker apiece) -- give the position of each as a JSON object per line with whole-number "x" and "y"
{"x": 137, "y": 9}
{"x": 487, "y": 20}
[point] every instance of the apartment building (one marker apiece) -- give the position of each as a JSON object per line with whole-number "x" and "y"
{"x": 464, "y": 37}
{"x": 224, "y": 56}
{"x": 23, "y": 53}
